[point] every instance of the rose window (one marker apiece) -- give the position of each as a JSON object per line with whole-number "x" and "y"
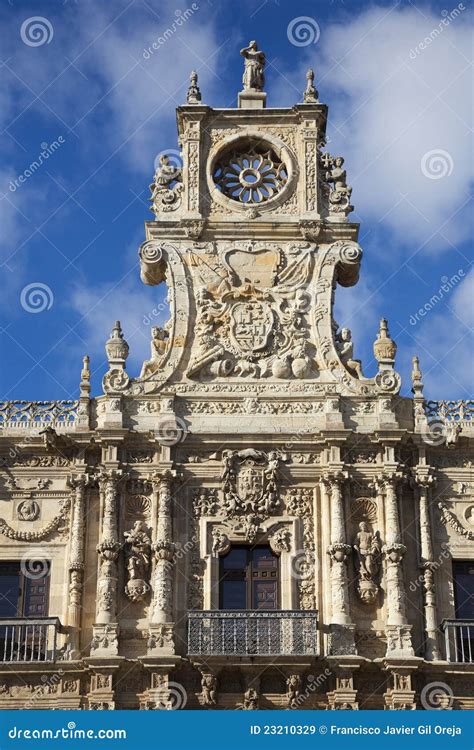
{"x": 251, "y": 177}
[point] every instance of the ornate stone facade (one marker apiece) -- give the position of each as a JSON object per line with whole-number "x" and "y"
{"x": 252, "y": 425}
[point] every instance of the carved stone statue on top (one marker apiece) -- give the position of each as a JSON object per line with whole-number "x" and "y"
{"x": 367, "y": 547}
{"x": 158, "y": 344}
{"x": 253, "y": 77}
{"x": 138, "y": 546}
{"x": 345, "y": 348}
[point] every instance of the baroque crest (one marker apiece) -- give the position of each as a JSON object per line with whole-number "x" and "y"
{"x": 249, "y": 481}
{"x": 252, "y": 314}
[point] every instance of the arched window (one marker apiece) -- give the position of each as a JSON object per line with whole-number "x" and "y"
{"x": 249, "y": 578}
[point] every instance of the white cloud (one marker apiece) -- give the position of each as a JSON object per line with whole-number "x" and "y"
{"x": 136, "y": 306}
{"x": 388, "y": 110}
{"x": 445, "y": 345}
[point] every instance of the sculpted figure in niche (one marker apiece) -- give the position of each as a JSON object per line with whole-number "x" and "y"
{"x": 138, "y": 560}
{"x": 159, "y": 342}
{"x": 367, "y": 546}
{"x": 345, "y": 349}
{"x": 253, "y": 77}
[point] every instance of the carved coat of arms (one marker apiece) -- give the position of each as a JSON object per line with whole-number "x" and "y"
{"x": 250, "y": 482}
{"x": 251, "y": 325}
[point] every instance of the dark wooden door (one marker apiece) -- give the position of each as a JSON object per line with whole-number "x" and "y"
{"x": 249, "y": 579}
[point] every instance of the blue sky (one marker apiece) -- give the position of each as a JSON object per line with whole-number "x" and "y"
{"x": 82, "y": 88}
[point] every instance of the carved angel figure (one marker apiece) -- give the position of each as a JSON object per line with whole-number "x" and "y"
{"x": 158, "y": 344}
{"x": 338, "y": 177}
{"x": 345, "y": 349}
{"x": 253, "y": 77}
{"x": 166, "y": 173}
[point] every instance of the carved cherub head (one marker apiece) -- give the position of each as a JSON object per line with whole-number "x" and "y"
{"x": 346, "y": 334}
{"x": 338, "y": 161}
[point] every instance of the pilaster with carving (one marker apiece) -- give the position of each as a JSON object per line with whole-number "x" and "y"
{"x": 161, "y": 625}
{"x": 398, "y": 631}
{"x": 78, "y": 485}
{"x": 424, "y": 481}
{"x": 106, "y": 628}
{"x": 342, "y": 630}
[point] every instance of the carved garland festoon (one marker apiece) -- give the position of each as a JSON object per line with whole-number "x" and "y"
{"x": 34, "y": 536}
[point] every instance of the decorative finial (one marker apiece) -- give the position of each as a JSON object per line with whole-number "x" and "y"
{"x": 116, "y": 348}
{"x": 310, "y": 94}
{"x": 194, "y": 92}
{"x": 385, "y": 348}
{"x": 85, "y": 384}
{"x": 417, "y": 378}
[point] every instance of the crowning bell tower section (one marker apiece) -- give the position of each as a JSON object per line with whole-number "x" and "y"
{"x": 256, "y": 520}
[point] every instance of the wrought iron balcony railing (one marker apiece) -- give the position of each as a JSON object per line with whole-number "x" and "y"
{"x": 459, "y": 640}
{"x": 252, "y": 633}
{"x": 28, "y": 640}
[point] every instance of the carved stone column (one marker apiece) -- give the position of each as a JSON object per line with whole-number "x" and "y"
{"x": 76, "y": 560}
{"x": 342, "y": 630}
{"x": 424, "y": 480}
{"x": 106, "y": 628}
{"x": 398, "y": 631}
{"x": 161, "y": 625}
